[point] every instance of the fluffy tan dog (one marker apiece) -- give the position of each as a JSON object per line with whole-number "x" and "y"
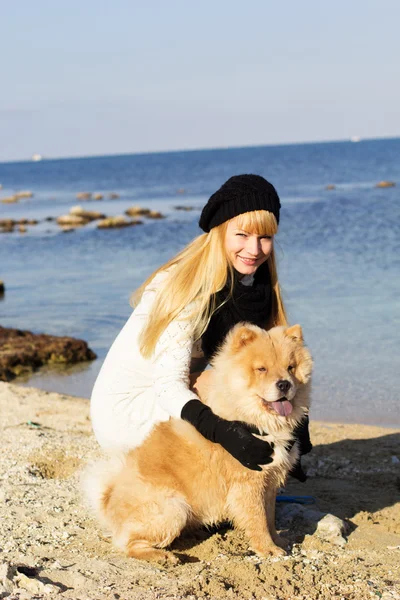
{"x": 177, "y": 478}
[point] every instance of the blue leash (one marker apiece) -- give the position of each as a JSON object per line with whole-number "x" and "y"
{"x": 296, "y": 499}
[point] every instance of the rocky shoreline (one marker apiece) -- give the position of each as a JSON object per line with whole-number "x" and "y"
{"x": 22, "y": 352}
{"x": 50, "y": 545}
{"x": 79, "y": 217}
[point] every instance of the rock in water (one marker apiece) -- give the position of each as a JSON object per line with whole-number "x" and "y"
{"x": 9, "y": 199}
{"x": 72, "y": 220}
{"x": 155, "y": 214}
{"x": 137, "y": 211}
{"x": 117, "y": 222}
{"x": 185, "y": 208}
{"x": 24, "y": 351}
{"x": 89, "y": 215}
{"x": 385, "y": 184}
{"x": 84, "y": 195}
{"x": 24, "y": 194}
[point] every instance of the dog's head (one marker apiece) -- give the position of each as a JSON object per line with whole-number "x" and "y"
{"x": 262, "y": 376}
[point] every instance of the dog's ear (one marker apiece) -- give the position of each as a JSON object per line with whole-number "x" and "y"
{"x": 304, "y": 364}
{"x": 295, "y": 333}
{"x": 241, "y": 336}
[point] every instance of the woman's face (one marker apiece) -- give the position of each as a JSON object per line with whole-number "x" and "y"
{"x": 246, "y": 251}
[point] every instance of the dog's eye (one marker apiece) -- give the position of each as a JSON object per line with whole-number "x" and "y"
{"x": 261, "y": 369}
{"x": 290, "y": 368}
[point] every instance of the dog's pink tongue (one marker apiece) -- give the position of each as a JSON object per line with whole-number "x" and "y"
{"x": 283, "y": 407}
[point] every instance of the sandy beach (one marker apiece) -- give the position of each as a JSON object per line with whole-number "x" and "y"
{"x": 51, "y": 546}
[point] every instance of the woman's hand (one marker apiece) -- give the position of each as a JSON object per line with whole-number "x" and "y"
{"x": 236, "y": 437}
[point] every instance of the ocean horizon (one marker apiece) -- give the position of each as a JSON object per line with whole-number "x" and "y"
{"x": 352, "y": 139}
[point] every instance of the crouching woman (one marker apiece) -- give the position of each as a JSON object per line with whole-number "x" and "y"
{"x": 183, "y": 312}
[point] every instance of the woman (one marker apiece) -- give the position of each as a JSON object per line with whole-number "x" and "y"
{"x": 183, "y": 312}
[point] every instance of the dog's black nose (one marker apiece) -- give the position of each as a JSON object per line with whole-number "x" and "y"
{"x": 283, "y": 385}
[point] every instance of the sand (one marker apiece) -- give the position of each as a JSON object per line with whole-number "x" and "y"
{"x": 51, "y": 546}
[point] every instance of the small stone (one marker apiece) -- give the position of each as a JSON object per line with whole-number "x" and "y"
{"x": 7, "y": 223}
{"x": 24, "y": 194}
{"x": 88, "y": 215}
{"x": 49, "y": 588}
{"x": 7, "y": 573}
{"x": 83, "y": 195}
{"x": 332, "y": 529}
{"x": 9, "y": 199}
{"x": 137, "y": 211}
{"x": 385, "y": 184}
{"x": 116, "y": 222}
{"x": 395, "y": 460}
{"x": 155, "y": 214}
{"x": 30, "y": 584}
{"x": 327, "y": 526}
{"x": 315, "y": 554}
{"x": 71, "y": 220}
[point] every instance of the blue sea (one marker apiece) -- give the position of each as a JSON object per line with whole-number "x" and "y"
{"x": 338, "y": 253}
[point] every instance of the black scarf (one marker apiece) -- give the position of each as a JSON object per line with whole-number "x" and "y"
{"x": 248, "y": 303}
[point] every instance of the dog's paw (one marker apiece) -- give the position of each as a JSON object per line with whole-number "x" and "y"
{"x": 271, "y": 551}
{"x": 161, "y": 557}
{"x": 168, "y": 559}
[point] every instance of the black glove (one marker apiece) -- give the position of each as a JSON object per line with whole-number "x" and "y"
{"x": 302, "y": 435}
{"x": 297, "y": 472}
{"x": 234, "y": 436}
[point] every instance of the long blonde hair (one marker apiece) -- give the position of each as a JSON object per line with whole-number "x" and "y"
{"x": 202, "y": 271}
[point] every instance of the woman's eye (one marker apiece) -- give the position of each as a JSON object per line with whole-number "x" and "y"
{"x": 261, "y": 369}
{"x": 241, "y": 234}
{"x": 266, "y": 237}
{"x": 290, "y": 368}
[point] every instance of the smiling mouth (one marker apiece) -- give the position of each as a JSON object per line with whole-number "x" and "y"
{"x": 283, "y": 407}
{"x": 248, "y": 261}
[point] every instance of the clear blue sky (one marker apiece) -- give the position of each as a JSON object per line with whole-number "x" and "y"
{"x": 89, "y": 77}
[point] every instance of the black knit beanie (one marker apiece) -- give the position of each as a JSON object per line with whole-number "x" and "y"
{"x": 238, "y": 195}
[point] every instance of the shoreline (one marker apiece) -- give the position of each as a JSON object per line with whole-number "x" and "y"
{"x": 44, "y": 379}
{"x": 50, "y": 544}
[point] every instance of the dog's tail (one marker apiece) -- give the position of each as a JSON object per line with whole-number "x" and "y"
{"x": 97, "y": 485}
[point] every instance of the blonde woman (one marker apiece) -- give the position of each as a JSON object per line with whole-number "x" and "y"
{"x": 182, "y": 313}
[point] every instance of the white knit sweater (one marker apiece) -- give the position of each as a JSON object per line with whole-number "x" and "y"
{"x": 131, "y": 393}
